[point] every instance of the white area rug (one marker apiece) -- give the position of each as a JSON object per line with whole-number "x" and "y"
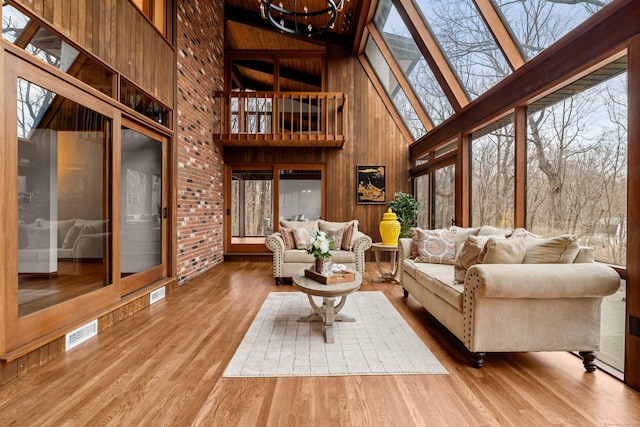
{"x": 379, "y": 342}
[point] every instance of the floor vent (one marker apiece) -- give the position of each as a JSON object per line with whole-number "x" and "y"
{"x": 157, "y": 295}
{"x": 80, "y": 335}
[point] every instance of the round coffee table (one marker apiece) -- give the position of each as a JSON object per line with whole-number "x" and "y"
{"x": 328, "y": 312}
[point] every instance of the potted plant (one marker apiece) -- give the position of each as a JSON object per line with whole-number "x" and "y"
{"x": 405, "y": 206}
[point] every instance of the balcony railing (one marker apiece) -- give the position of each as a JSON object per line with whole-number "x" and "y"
{"x": 309, "y": 119}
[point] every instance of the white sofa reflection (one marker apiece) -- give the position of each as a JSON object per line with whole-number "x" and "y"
{"x": 44, "y": 242}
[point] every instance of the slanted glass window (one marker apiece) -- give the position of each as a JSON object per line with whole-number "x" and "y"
{"x": 537, "y": 24}
{"x": 37, "y": 40}
{"x": 412, "y": 63}
{"x": 493, "y": 174}
{"x": 577, "y": 162}
{"x": 393, "y": 89}
{"x": 466, "y": 42}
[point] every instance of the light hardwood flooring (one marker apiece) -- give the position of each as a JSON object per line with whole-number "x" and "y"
{"x": 163, "y": 367}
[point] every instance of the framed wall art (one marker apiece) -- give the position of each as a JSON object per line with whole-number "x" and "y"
{"x": 371, "y": 185}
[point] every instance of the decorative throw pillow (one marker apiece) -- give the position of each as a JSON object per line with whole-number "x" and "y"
{"x": 518, "y": 232}
{"x": 71, "y": 237}
{"x": 462, "y": 233}
{"x": 302, "y": 238}
{"x": 467, "y": 256}
{"x": 327, "y": 225}
{"x": 336, "y": 236}
{"x": 499, "y": 250}
{"x": 288, "y": 238}
{"x": 310, "y": 226}
{"x": 347, "y": 235}
{"x": 488, "y": 230}
{"x": 554, "y": 250}
{"x": 415, "y": 233}
{"x": 436, "y": 246}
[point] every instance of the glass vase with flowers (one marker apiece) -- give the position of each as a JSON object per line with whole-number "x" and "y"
{"x": 320, "y": 246}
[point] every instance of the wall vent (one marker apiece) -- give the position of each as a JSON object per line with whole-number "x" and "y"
{"x": 80, "y": 335}
{"x": 157, "y": 295}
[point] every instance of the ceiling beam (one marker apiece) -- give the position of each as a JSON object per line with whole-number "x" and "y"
{"x": 500, "y": 33}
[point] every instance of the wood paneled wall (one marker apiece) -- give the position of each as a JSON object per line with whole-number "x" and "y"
{"x": 373, "y": 138}
{"x": 117, "y": 33}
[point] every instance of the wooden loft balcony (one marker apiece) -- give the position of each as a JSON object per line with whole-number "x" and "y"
{"x": 282, "y": 119}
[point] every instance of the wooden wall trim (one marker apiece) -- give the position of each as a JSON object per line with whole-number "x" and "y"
{"x": 632, "y": 343}
{"x": 500, "y": 33}
{"x": 587, "y": 45}
{"x": 520, "y": 166}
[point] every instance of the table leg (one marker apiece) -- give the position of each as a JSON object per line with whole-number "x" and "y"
{"x": 328, "y": 314}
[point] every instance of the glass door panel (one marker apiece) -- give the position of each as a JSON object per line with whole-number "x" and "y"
{"x": 251, "y": 206}
{"x": 64, "y": 211}
{"x": 443, "y": 211}
{"x": 142, "y": 208}
{"x": 299, "y": 194}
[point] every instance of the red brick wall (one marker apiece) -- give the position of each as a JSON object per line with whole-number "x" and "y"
{"x": 200, "y": 170}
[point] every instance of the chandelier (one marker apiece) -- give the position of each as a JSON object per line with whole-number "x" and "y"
{"x": 300, "y": 21}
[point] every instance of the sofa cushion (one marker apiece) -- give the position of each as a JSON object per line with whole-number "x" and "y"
{"x": 337, "y": 231}
{"x": 310, "y": 226}
{"x": 288, "y": 238}
{"x": 468, "y": 255}
{"x": 462, "y": 234}
{"x": 554, "y": 250}
{"x": 302, "y": 238}
{"x": 347, "y": 236}
{"x": 435, "y": 246}
{"x": 38, "y": 238}
{"x": 301, "y": 256}
{"x": 71, "y": 237}
{"x": 488, "y": 230}
{"x": 438, "y": 279}
{"x": 335, "y": 237}
{"x": 327, "y": 225}
{"x": 499, "y": 250}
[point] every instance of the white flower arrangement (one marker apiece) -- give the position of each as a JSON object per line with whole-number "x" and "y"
{"x": 320, "y": 244}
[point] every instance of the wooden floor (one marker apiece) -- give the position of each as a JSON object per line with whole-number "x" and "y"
{"x": 163, "y": 367}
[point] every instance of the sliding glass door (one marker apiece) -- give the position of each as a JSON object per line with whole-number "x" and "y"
{"x": 143, "y": 210}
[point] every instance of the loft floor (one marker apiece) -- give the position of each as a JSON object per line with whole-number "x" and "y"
{"x": 163, "y": 366}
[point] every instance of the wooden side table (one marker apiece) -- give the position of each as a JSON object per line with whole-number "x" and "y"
{"x": 390, "y": 274}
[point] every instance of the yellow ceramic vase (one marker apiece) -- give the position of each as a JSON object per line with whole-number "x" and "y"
{"x": 389, "y": 228}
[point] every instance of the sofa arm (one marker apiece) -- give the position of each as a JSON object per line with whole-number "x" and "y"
{"x": 275, "y": 243}
{"x": 361, "y": 242}
{"x": 540, "y": 281}
{"x": 404, "y": 252}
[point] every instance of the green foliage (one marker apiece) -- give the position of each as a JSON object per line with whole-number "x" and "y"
{"x": 406, "y": 209}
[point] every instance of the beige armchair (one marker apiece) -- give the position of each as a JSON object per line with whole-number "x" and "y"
{"x": 288, "y": 259}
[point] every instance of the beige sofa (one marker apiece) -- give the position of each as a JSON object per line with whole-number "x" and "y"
{"x": 517, "y": 307}
{"x": 289, "y": 257}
